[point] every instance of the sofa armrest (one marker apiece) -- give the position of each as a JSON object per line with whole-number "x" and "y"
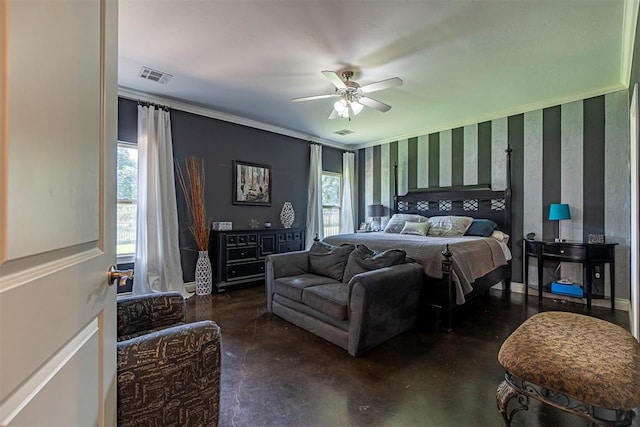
{"x": 382, "y": 304}
{"x": 177, "y": 370}
{"x": 289, "y": 264}
{"x": 283, "y": 265}
{"x": 139, "y": 313}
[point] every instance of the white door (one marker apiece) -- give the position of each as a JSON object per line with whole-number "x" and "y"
{"x": 58, "y": 119}
{"x": 634, "y": 126}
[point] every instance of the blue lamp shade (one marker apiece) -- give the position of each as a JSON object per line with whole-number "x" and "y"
{"x": 559, "y": 211}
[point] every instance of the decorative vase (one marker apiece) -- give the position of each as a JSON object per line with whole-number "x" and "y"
{"x": 287, "y": 215}
{"x": 203, "y": 274}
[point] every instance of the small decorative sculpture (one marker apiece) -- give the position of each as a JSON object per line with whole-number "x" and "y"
{"x": 287, "y": 215}
{"x": 253, "y": 223}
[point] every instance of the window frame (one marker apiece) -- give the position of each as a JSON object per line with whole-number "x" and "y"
{"x": 338, "y": 206}
{"x": 131, "y": 257}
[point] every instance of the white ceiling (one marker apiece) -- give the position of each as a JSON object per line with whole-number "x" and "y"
{"x": 462, "y": 61}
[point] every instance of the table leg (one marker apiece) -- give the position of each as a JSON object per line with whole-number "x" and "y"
{"x": 612, "y": 275}
{"x": 526, "y": 274}
{"x": 540, "y": 279}
{"x": 589, "y": 285}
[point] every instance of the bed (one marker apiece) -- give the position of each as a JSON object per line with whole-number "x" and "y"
{"x": 456, "y": 268}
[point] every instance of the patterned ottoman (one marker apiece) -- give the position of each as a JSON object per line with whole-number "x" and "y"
{"x": 575, "y": 363}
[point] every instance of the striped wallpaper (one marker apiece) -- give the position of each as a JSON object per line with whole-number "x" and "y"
{"x": 575, "y": 153}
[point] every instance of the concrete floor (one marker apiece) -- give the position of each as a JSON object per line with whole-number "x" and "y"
{"x": 276, "y": 374}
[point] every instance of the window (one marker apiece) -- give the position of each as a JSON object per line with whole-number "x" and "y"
{"x": 331, "y": 198}
{"x": 127, "y": 195}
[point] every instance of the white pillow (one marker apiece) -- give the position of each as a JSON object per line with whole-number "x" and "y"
{"x": 415, "y": 228}
{"x": 500, "y": 236}
{"x": 396, "y": 223}
{"x": 449, "y": 225}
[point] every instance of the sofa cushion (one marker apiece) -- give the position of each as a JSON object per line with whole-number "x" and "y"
{"x": 329, "y": 299}
{"x": 327, "y": 260}
{"x": 364, "y": 259}
{"x": 299, "y": 307}
{"x": 292, "y": 286}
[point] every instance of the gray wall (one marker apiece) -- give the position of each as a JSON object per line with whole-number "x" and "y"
{"x": 219, "y": 143}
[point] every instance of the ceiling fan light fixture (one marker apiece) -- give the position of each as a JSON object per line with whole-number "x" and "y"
{"x": 344, "y": 113}
{"x": 356, "y": 107}
{"x": 340, "y": 106}
{"x": 352, "y": 100}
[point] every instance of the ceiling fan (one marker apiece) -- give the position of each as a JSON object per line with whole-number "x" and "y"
{"x": 353, "y": 96}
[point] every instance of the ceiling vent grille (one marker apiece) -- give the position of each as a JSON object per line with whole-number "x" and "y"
{"x": 344, "y": 132}
{"x": 154, "y": 75}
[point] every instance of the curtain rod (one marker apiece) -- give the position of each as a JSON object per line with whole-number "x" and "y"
{"x": 153, "y": 104}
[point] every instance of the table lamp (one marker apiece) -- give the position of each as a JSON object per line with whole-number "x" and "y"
{"x": 559, "y": 212}
{"x": 375, "y": 212}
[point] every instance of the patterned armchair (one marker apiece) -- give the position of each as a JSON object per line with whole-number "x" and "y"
{"x": 168, "y": 370}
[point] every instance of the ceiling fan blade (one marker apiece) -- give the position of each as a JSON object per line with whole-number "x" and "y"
{"x": 335, "y": 79}
{"x": 333, "y": 115}
{"x": 310, "y": 98}
{"x": 382, "y": 84}
{"x": 372, "y": 103}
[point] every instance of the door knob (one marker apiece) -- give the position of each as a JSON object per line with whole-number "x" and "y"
{"x": 121, "y": 276}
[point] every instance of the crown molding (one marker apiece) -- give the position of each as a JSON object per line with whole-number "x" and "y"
{"x": 136, "y": 95}
{"x": 497, "y": 115}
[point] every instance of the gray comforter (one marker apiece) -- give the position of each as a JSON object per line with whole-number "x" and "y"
{"x": 473, "y": 257}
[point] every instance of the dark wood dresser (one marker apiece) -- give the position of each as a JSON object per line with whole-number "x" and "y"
{"x": 237, "y": 256}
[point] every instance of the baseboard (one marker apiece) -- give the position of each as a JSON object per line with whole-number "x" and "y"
{"x": 519, "y": 288}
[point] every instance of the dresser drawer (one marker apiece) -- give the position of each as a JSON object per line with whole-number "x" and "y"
{"x": 243, "y": 253}
{"x": 246, "y": 269}
{"x": 242, "y": 239}
{"x": 565, "y": 251}
{"x": 289, "y": 247}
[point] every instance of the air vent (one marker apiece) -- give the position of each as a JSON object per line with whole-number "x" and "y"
{"x": 154, "y": 75}
{"x": 344, "y": 132}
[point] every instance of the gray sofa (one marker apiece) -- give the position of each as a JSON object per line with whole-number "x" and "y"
{"x": 350, "y": 296}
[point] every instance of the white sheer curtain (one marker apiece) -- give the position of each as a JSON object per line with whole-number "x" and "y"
{"x": 314, "y": 206}
{"x": 157, "y": 265}
{"x": 347, "y": 213}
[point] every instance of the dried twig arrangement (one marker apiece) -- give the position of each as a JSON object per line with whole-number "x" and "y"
{"x": 193, "y": 189}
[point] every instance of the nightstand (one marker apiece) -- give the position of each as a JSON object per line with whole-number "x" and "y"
{"x": 588, "y": 254}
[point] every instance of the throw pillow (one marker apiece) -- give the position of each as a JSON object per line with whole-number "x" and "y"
{"x": 500, "y": 236}
{"x": 328, "y": 260}
{"x": 364, "y": 259}
{"x": 481, "y": 227}
{"x": 396, "y": 223}
{"x": 415, "y": 228}
{"x": 449, "y": 225}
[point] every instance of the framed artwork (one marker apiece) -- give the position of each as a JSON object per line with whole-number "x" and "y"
{"x": 251, "y": 184}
